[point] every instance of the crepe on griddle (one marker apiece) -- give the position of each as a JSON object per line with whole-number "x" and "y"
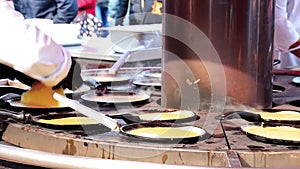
{"x": 280, "y": 115}
{"x": 108, "y": 79}
{"x": 278, "y": 132}
{"x": 41, "y": 96}
{"x": 165, "y": 132}
{"x": 115, "y": 98}
{"x": 69, "y": 121}
{"x": 181, "y": 114}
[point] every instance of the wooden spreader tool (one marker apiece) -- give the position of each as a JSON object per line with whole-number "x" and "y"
{"x": 120, "y": 62}
{"x": 89, "y": 112}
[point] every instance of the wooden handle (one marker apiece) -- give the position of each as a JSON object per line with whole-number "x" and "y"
{"x": 120, "y": 62}
{"x": 89, "y": 112}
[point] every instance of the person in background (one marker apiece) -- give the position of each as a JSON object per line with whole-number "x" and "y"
{"x": 60, "y": 11}
{"x": 88, "y": 6}
{"x": 89, "y": 24}
{"x": 31, "y": 56}
{"x": 287, "y": 33}
{"x": 121, "y": 12}
{"x": 140, "y": 12}
{"x": 113, "y": 5}
{"x": 102, "y": 12}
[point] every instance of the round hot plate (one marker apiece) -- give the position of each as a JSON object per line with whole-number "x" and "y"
{"x": 273, "y": 134}
{"x": 152, "y": 74}
{"x": 168, "y": 133}
{"x": 111, "y": 80}
{"x": 116, "y": 97}
{"x": 296, "y": 80}
{"x": 16, "y": 104}
{"x": 147, "y": 83}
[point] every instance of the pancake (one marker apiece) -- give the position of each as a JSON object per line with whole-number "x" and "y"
{"x": 109, "y": 79}
{"x": 165, "y": 132}
{"x": 279, "y": 132}
{"x": 115, "y": 98}
{"x": 69, "y": 121}
{"x": 181, "y": 114}
{"x": 281, "y": 115}
{"x": 41, "y": 96}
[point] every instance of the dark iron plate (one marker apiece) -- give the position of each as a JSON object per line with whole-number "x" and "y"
{"x": 166, "y": 140}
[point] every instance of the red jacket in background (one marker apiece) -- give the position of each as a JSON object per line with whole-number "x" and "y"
{"x": 87, "y": 5}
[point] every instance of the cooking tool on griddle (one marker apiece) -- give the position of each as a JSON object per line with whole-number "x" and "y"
{"x": 99, "y": 88}
{"x": 89, "y": 112}
{"x": 164, "y": 132}
{"x": 157, "y": 115}
{"x": 113, "y": 124}
{"x": 249, "y": 116}
{"x": 144, "y": 43}
{"x": 120, "y": 62}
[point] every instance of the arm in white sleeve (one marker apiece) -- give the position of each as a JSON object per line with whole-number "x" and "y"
{"x": 285, "y": 32}
{"x": 26, "y": 49}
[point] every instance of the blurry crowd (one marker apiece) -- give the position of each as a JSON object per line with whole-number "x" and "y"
{"x": 108, "y": 12}
{"x": 41, "y": 59}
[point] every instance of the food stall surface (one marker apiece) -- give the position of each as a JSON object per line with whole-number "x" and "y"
{"x": 231, "y": 148}
{"x": 103, "y": 143}
{"x": 224, "y": 145}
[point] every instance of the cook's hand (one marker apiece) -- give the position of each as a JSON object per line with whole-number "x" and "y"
{"x": 12, "y": 74}
{"x": 73, "y": 80}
